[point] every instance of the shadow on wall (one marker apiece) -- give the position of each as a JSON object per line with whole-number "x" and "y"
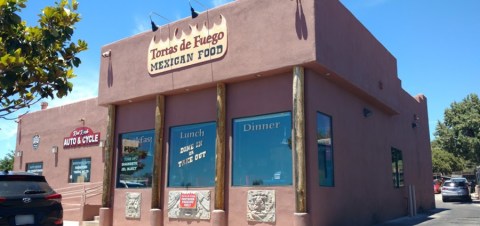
{"x": 300, "y": 22}
{"x": 110, "y": 73}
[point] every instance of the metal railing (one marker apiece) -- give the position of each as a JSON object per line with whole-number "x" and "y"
{"x": 74, "y": 197}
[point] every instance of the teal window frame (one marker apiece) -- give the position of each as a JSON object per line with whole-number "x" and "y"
{"x": 324, "y": 139}
{"x": 192, "y": 155}
{"x": 36, "y": 170}
{"x": 397, "y": 168}
{"x": 135, "y": 159}
{"x": 262, "y": 150}
{"x": 78, "y": 165}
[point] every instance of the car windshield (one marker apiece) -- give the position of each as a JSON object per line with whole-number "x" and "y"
{"x": 454, "y": 184}
{"x": 23, "y": 185}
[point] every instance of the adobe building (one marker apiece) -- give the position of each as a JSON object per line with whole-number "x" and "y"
{"x": 65, "y": 145}
{"x": 260, "y": 113}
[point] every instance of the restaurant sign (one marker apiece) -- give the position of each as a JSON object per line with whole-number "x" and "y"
{"x": 179, "y": 51}
{"x": 82, "y": 136}
{"x": 188, "y": 201}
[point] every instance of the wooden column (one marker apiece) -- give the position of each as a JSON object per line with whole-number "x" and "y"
{"x": 157, "y": 157}
{"x": 220, "y": 149}
{"x": 107, "y": 169}
{"x": 299, "y": 139}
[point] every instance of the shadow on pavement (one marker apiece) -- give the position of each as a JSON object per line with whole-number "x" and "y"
{"x": 419, "y": 218}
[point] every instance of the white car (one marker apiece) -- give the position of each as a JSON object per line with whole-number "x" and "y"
{"x": 456, "y": 188}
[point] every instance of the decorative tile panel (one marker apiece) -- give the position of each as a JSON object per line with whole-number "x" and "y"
{"x": 133, "y": 205}
{"x": 261, "y": 206}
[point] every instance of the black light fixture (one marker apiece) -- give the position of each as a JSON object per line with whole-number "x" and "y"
{"x": 415, "y": 121}
{"x": 367, "y": 112}
{"x": 194, "y": 13}
{"x": 154, "y": 26}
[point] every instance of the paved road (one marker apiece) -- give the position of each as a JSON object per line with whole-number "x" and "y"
{"x": 446, "y": 214}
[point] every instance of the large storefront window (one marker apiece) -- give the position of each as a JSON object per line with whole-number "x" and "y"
{"x": 80, "y": 170}
{"x": 192, "y": 155}
{"x": 397, "y": 168}
{"x": 35, "y": 167}
{"x": 325, "y": 150}
{"x": 135, "y": 165}
{"x": 262, "y": 152}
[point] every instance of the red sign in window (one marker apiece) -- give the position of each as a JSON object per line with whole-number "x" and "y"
{"x": 188, "y": 201}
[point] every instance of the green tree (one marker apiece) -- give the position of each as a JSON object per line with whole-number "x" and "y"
{"x": 459, "y": 134}
{"x": 445, "y": 162}
{"x": 36, "y": 62}
{"x": 7, "y": 162}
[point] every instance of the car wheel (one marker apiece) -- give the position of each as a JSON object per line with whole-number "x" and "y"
{"x": 444, "y": 199}
{"x": 469, "y": 199}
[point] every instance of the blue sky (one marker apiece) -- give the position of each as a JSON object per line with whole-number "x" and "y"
{"x": 436, "y": 44}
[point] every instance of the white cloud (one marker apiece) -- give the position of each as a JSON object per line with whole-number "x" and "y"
{"x": 83, "y": 89}
{"x": 141, "y": 25}
{"x": 8, "y": 134}
{"x": 8, "y": 130}
{"x": 85, "y": 86}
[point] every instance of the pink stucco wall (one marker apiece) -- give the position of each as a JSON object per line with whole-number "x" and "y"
{"x": 53, "y": 125}
{"x": 362, "y": 145}
{"x": 362, "y": 156}
{"x": 135, "y": 116}
{"x": 244, "y": 99}
{"x": 262, "y": 36}
{"x": 350, "y": 51}
{"x": 346, "y": 70}
{"x": 257, "y": 97}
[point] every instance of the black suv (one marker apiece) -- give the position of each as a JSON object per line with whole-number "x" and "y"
{"x": 27, "y": 199}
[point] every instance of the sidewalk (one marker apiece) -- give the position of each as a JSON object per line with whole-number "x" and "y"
{"x": 419, "y": 218}
{"x": 474, "y": 195}
{"x": 70, "y": 223}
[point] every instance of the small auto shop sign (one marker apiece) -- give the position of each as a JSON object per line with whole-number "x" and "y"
{"x": 82, "y": 136}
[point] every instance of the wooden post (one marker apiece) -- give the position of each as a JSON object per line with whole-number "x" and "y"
{"x": 299, "y": 140}
{"x": 107, "y": 169}
{"x": 157, "y": 158}
{"x": 220, "y": 149}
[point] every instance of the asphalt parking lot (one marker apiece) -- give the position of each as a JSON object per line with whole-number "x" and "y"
{"x": 450, "y": 213}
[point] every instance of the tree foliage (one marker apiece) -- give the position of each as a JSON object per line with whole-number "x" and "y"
{"x": 36, "y": 62}
{"x": 445, "y": 162}
{"x": 7, "y": 162}
{"x": 459, "y": 134}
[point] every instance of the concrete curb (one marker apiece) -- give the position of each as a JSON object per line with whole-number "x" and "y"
{"x": 71, "y": 223}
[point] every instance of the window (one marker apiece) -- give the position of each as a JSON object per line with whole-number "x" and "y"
{"x": 325, "y": 150}
{"x": 35, "y": 167}
{"x": 192, "y": 155}
{"x": 397, "y": 168}
{"x": 80, "y": 170}
{"x": 136, "y": 159}
{"x": 262, "y": 152}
